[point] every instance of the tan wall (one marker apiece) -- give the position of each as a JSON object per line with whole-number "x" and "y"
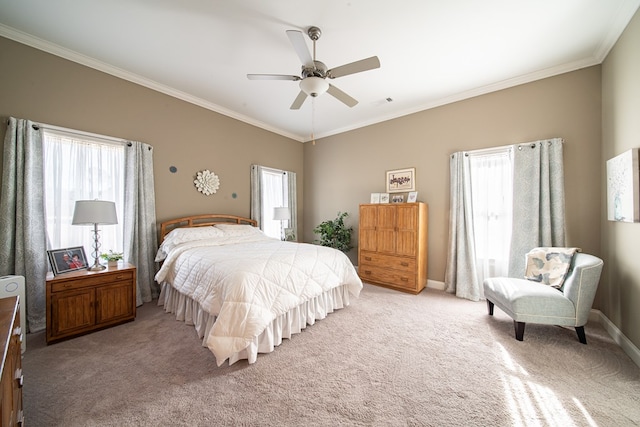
{"x": 45, "y": 88}
{"x": 341, "y": 171}
{"x": 619, "y": 292}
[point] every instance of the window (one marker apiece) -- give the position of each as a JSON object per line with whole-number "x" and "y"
{"x": 491, "y": 199}
{"x": 81, "y": 168}
{"x": 275, "y": 192}
{"x": 270, "y": 189}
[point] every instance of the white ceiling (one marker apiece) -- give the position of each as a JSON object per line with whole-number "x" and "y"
{"x": 432, "y": 52}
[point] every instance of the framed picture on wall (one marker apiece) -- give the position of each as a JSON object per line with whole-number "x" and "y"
{"x": 623, "y": 187}
{"x": 401, "y": 180}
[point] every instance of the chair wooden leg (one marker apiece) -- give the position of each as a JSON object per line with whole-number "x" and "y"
{"x": 490, "y": 307}
{"x": 581, "y": 336}
{"x": 519, "y": 327}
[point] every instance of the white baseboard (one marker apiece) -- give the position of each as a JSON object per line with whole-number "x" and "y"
{"x": 434, "y": 284}
{"x": 627, "y": 346}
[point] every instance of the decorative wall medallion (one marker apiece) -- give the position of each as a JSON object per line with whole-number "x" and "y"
{"x": 207, "y": 182}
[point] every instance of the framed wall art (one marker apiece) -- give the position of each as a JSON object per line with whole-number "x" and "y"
{"x": 412, "y": 197}
{"x": 67, "y": 259}
{"x": 397, "y": 198}
{"x": 384, "y": 197}
{"x": 623, "y": 189}
{"x": 401, "y": 180}
{"x": 375, "y": 197}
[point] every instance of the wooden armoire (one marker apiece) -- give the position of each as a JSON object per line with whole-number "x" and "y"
{"x": 392, "y": 249}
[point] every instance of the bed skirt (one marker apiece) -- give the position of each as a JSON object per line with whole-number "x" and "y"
{"x": 283, "y": 326}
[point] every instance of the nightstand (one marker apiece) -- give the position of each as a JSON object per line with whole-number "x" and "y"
{"x": 85, "y": 301}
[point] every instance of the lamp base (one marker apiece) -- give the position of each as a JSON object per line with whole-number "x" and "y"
{"x": 96, "y": 266}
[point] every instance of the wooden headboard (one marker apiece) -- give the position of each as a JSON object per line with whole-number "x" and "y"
{"x": 205, "y": 220}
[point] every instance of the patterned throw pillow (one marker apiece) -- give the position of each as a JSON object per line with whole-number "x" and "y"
{"x": 549, "y": 265}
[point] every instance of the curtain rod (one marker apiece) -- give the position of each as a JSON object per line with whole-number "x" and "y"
{"x": 101, "y": 138}
{"x": 519, "y": 146}
{"x": 488, "y": 150}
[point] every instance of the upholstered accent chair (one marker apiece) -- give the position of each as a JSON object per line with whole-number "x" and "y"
{"x": 529, "y": 301}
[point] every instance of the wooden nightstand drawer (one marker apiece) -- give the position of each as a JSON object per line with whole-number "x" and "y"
{"x": 90, "y": 281}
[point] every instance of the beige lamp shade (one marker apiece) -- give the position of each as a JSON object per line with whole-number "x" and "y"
{"x": 91, "y": 212}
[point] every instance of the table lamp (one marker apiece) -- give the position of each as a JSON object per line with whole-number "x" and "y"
{"x": 94, "y": 212}
{"x": 282, "y": 214}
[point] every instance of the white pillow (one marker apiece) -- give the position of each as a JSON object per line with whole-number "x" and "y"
{"x": 182, "y": 235}
{"x": 238, "y": 230}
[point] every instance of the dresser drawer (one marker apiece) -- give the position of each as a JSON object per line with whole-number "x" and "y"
{"x": 387, "y": 276}
{"x": 89, "y": 281}
{"x": 388, "y": 261}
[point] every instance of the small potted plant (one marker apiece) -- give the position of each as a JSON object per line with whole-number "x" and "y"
{"x": 112, "y": 258}
{"x": 334, "y": 233}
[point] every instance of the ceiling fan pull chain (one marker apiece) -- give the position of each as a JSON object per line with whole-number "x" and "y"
{"x": 313, "y": 119}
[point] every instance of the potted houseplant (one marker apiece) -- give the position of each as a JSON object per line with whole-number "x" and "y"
{"x": 112, "y": 258}
{"x": 334, "y": 233}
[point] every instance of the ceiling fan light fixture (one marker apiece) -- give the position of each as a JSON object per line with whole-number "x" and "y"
{"x": 314, "y": 86}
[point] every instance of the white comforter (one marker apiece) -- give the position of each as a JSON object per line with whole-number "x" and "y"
{"x": 248, "y": 284}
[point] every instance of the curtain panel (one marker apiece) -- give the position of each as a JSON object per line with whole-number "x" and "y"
{"x": 140, "y": 235}
{"x": 460, "y": 273}
{"x": 23, "y": 242}
{"x": 538, "y": 200}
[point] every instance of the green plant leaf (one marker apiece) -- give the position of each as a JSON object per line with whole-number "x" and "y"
{"x": 334, "y": 233}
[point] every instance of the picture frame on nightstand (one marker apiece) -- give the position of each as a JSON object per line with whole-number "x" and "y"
{"x": 67, "y": 259}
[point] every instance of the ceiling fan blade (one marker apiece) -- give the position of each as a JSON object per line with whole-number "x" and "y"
{"x": 272, "y": 77}
{"x": 297, "y": 103}
{"x": 300, "y": 46}
{"x": 354, "y": 67}
{"x": 341, "y": 96}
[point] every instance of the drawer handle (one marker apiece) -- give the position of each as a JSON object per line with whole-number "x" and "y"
{"x": 404, "y": 264}
{"x": 120, "y": 276}
{"x": 404, "y": 279}
{"x": 18, "y": 376}
{"x": 67, "y": 285}
{"x": 367, "y": 272}
{"x": 367, "y": 258}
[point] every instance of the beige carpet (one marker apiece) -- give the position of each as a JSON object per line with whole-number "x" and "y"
{"x": 390, "y": 359}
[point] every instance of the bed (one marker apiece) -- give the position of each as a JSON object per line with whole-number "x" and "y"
{"x": 243, "y": 291}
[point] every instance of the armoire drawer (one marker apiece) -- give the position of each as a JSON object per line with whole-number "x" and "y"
{"x": 388, "y": 261}
{"x": 387, "y": 276}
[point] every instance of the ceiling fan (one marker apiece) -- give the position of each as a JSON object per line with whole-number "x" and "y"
{"x": 313, "y": 79}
